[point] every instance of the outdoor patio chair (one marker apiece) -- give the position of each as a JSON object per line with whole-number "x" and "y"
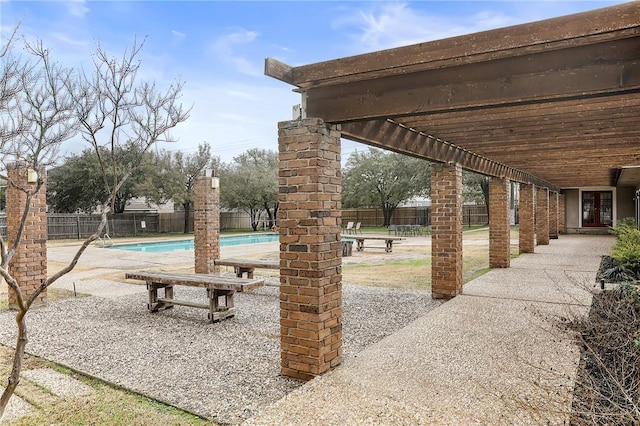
{"x": 392, "y": 228}
{"x": 349, "y": 228}
{"x": 357, "y": 230}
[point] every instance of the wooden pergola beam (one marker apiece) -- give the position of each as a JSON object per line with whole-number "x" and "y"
{"x": 603, "y": 70}
{"x": 407, "y": 141}
{"x": 584, "y": 28}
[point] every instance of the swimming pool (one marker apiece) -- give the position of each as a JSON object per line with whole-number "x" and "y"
{"x": 165, "y": 246}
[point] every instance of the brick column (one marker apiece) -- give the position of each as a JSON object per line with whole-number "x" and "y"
{"x": 206, "y": 224}
{"x": 310, "y": 249}
{"x": 446, "y": 227}
{"x": 542, "y": 216}
{"x": 553, "y": 215}
{"x": 499, "y": 229}
{"x": 526, "y": 205}
{"x": 562, "y": 224}
{"x": 29, "y": 265}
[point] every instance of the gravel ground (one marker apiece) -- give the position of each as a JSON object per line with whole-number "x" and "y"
{"x": 225, "y": 371}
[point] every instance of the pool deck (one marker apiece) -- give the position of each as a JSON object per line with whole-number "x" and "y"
{"x": 100, "y": 271}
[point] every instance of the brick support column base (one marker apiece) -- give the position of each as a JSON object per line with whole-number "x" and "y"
{"x": 206, "y": 224}
{"x": 446, "y": 226}
{"x": 553, "y": 215}
{"x": 29, "y": 265}
{"x": 542, "y": 217}
{"x": 310, "y": 249}
{"x": 499, "y": 229}
{"x": 562, "y": 224}
{"x": 526, "y": 208}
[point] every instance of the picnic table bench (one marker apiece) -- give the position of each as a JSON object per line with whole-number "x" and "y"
{"x": 216, "y": 286}
{"x": 246, "y": 266}
{"x": 387, "y": 239}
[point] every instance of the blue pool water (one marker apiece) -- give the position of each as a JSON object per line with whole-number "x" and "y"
{"x": 165, "y": 246}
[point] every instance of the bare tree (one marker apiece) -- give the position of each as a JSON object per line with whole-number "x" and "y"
{"x": 11, "y": 69}
{"x": 109, "y": 108}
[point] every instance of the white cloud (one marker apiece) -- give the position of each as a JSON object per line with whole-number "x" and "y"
{"x": 69, "y": 41}
{"x": 387, "y": 25}
{"x": 234, "y": 117}
{"x": 226, "y": 46}
{"x": 77, "y": 8}
{"x": 178, "y": 34}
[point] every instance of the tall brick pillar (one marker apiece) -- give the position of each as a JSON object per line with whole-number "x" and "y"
{"x": 499, "y": 221}
{"x": 310, "y": 249}
{"x": 29, "y": 265}
{"x": 446, "y": 225}
{"x": 542, "y": 217}
{"x": 526, "y": 205}
{"x": 562, "y": 224}
{"x": 206, "y": 224}
{"x": 553, "y": 215}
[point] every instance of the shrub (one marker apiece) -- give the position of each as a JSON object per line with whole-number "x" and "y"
{"x": 627, "y": 248}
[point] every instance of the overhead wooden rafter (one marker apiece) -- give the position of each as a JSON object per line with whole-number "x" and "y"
{"x": 402, "y": 139}
{"x": 554, "y": 102}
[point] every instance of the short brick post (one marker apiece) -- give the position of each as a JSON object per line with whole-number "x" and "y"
{"x": 310, "y": 249}
{"x": 553, "y": 215}
{"x": 562, "y": 224}
{"x": 499, "y": 223}
{"x": 542, "y": 217}
{"x": 29, "y": 265}
{"x": 446, "y": 226}
{"x": 526, "y": 204}
{"x": 206, "y": 224}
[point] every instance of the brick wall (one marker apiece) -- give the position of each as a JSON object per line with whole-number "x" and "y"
{"x": 526, "y": 206}
{"x": 553, "y": 215}
{"x": 499, "y": 229}
{"x": 29, "y": 265}
{"x": 542, "y": 216}
{"x": 562, "y": 224}
{"x": 206, "y": 225}
{"x": 446, "y": 226}
{"x": 310, "y": 247}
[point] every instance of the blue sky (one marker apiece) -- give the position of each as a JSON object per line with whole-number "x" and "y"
{"x": 219, "y": 47}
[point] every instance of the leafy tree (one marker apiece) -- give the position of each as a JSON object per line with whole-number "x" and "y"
{"x": 174, "y": 176}
{"x": 376, "y": 178}
{"x": 78, "y": 185}
{"x": 475, "y": 187}
{"x": 41, "y": 106}
{"x": 250, "y": 184}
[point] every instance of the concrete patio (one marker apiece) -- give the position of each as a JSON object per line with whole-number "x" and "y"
{"x": 497, "y": 354}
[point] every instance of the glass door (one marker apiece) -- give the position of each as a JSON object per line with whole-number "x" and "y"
{"x": 597, "y": 208}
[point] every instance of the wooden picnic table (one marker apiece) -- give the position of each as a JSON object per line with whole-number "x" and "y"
{"x": 215, "y": 285}
{"x": 247, "y": 266}
{"x": 387, "y": 239}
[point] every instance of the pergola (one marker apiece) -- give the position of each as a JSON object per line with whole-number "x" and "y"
{"x": 551, "y": 105}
